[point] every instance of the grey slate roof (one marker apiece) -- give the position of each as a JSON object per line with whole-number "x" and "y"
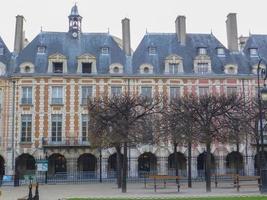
{"x": 7, "y": 55}
{"x": 259, "y": 42}
{"x": 167, "y": 44}
{"x": 63, "y": 43}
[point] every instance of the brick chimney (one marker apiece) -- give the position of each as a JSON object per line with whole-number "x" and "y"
{"x": 231, "y": 29}
{"x": 180, "y": 27}
{"x": 19, "y": 34}
{"x": 126, "y": 40}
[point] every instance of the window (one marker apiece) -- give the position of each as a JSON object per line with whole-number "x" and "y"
{"x": 253, "y": 52}
{"x": 86, "y": 94}
{"x": 173, "y": 68}
{"x": 231, "y": 70}
{"x": 231, "y": 90}
{"x": 26, "y": 95}
{"x": 41, "y": 49}
{"x": 146, "y": 70}
{"x": 57, "y": 95}
{"x": 202, "y": 51}
{"x": 116, "y": 90}
{"x": 116, "y": 70}
{"x": 220, "y": 52}
{"x": 26, "y": 128}
{"x": 202, "y": 67}
{"x": 152, "y": 50}
{"x": 56, "y": 128}
{"x": 146, "y": 91}
{"x": 86, "y": 68}
{"x": 203, "y": 91}
{"x": 1, "y": 51}
{"x": 57, "y": 67}
{"x": 105, "y": 50}
{"x": 27, "y": 69}
{"x": 85, "y": 119}
{"x": 174, "y": 92}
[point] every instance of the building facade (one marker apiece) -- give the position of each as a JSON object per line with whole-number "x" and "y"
{"x": 44, "y": 86}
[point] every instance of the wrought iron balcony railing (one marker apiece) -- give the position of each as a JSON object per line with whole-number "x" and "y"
{"x": 57, "y": 101}
{"x": 26, "y": 101}
{"x": 65, "y": 141}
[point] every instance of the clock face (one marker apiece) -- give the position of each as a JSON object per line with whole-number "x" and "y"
{"x": 75, "y": 34}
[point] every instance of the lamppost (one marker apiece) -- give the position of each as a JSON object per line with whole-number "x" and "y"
{"x": 262, "y": 98}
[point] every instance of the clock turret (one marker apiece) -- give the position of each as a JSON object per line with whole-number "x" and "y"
{"x": 75, "y": 22}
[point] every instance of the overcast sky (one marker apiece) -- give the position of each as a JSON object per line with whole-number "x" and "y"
{"x": 202, "y": 16}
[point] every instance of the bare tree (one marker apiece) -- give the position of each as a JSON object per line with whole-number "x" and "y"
{"x": 122, "y": 121}
{"x": 180, "y": 128}
{"x": 208, "y": 114}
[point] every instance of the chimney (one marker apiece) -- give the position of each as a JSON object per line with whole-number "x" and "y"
{"x": 180, "y": 27}
{"x": 126, "y": 40}
{"x": 231, "y": 29}
{"x": 19, "y": 35}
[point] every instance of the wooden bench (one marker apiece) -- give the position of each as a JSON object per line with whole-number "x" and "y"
{"x": 163, "y": 178}
{"x": 238, "y": 181}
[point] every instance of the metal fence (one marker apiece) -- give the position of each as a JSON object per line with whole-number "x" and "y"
{"x": 105, "y": 169}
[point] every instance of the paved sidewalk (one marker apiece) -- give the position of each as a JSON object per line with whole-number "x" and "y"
{"x": 56, "y": 192}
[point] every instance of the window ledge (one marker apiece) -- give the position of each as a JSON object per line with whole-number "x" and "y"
{"x": 57, "y": 104}
{"x": 25, "y": 143}
{"x": 26, "y": 104}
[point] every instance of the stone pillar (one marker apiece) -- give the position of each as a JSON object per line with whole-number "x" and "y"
{"x": 163, "y": 165}
{"x": 222, "y": 165}
{"x": 104, "y": 167}
{"x": 194, "y": 167}
{"x": 249, "y": 166}
{"x": 134, "y": 167}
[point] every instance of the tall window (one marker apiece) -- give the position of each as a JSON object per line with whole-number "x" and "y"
{"x": 202, "y": 67}
{"x": 202, "y": 51}
{"x": 146, "y": 91}
{"x": 26, "y": 128}
{"x": 203, "y": 91}
{"x": 231, "y": 90}
{"x": 220, "y": 52}
{"x": 57, "y": 95}
{"x": 86, "y": 94}
{"x": 174, "y": 92}
{"x": 26, "y": 95}
{"x": 57, "y": 67}
{"x": 84, "y": 127}
{"x": 173, "y": 67}
{"x": 253, "y": 52}
{"x": 116, "y": 90}
{"x": 86, "y": 68}
{"x": 56, "y": 128}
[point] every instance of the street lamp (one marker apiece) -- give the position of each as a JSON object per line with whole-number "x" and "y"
{"x": 262, "y": 98}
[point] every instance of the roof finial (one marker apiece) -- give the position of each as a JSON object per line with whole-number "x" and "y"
{"x": 211, "y": 32}
{"x": 41, "y": 29}
{"x": 146, "y": 31}
{"x": 249, "y": 32}
{"x": 108, "y": 30}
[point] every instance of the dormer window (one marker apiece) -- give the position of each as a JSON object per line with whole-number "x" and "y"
{"x": 105, "y": 50}
{"x": 86, "y": 68}
{"x": 1, "y": 51}
{"x": 116, "y": 68}
{"x": 57, "y": 67}
{"x": 152, "y": 50}
{"x": 173, "y": 68}
{"x": 220, "y": 52}
{"x": 146, "y": 69}
{"x": 202, "y": 67}
{"x": 26, "y": 67}
{"x": 253, "y": 52}
{"x": 202, "y": 51}
{"x": 41, "y": 49}
{"x": 173, "y": 64}
{"x": 230, "y": 69}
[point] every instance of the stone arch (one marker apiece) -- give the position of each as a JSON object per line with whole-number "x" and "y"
{"x": 147, "y": 164}
{"x": 235, "y": 163}
{"x": 201, "y": 164}
{"x": 57, "y": 164}
{"x": 25, "y": 165}
{"x": 87, "y": 164}
{"x": 181, "y": 159}
{"x": 112, "y": 165}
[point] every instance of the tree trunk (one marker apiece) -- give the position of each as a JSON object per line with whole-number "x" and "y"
{"x": 176, "y": 161}
{"x": 258, "y": 155}
{"x": 237, "y": 159}
{"x": 208, "y": 167}
{"x": 119, "y": 167}
{"x": 124, "y": 169}
{"x": 189, "y": 165}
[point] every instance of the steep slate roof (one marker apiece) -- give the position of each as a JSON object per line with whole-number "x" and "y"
{"x": 63, "y": 43}
{"x": 7, "y": 55}
{"x": 259, "y": 42}
{"x": 167, "y": 44}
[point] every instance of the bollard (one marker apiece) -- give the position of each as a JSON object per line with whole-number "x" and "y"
{"x": 36, "y": 196}
{"x": 30, "y": 192}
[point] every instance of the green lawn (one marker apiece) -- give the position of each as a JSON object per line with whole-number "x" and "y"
{"x": 187, "y": 198}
